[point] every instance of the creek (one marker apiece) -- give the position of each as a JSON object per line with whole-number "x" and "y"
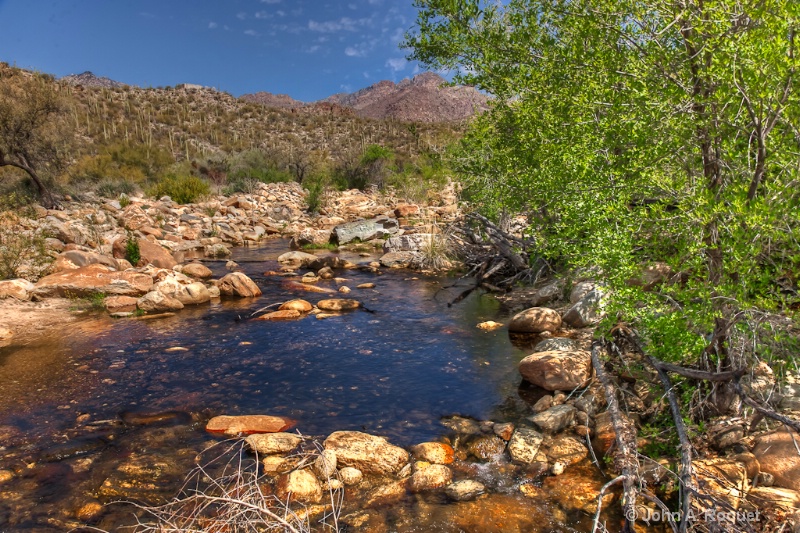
{"x": 395, "y": 369}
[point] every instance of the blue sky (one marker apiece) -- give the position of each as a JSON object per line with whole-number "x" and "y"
{"x": 308, "y": 49}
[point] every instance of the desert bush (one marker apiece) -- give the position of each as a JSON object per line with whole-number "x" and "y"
{"x": 23, "y": 253}
{"x": 183, "y": 189}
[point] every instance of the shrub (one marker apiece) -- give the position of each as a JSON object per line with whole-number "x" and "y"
{"x": 132, "y": 252}
{"x": 182, "y": 189}
{"x": 23, "y": 254}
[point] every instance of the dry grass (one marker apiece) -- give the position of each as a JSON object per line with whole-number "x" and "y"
{"x": 227, "y": 494}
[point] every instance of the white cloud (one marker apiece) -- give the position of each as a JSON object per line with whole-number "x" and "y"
{"x": 343, "y": 24}
{"x": 280, "y": 13}
{"x": 212, "y": 25}
{"x": 270, "y": 1}
{"x": 312, "y": 49}
{"x": 397, "y": 64}
{"x": 354, "y": 52}
{"x": 241, "y": 15}
{"x": 263, "y": 15}
{"x": 251, "y": 33}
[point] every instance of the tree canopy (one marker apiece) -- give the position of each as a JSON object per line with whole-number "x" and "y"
{"x": 633, "y": 132}
{"x": 33, "y": 135}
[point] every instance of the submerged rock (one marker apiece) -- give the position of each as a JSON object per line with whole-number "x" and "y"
{"x": 284, "y": 314}
{"x": 464, "y": 490}
{"x": 234, "y": 425}
{"x": 338, "y": 304}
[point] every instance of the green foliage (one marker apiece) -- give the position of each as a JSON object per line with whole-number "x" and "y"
{"x": 316, "y": 187}
{"x": 632, "y": 132}
{"x": 183, "y": 189}
{"x": 132, "y": 253}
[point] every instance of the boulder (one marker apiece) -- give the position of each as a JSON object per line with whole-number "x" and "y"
{"x": 524, "y": 445}
{"x": 535, "y": 320}
{"x": 407, "y": 243}
{"x": 587, "y": 311}
{"x": 19, "y": 289}
{"x": 93, "y": 279}
{"x": 194, "y": 294}
{"x": 310, "y": 237}
{"x": 557, "y": 370}
{"x": 197, "y": 270}
{"x": 554, "y": 419}
{"x": 238, "y": 284}
{"x": 116, "y": 304}
{"x": 299, "y": 486}
{"x": 338, "y": 304}
{"x": 777, "y": 455}
{"x": 364, "y": 230}
{"x": 74, "y": 259}
{"x": 406, "y": 210}
{"x": 556, "y": 344}
{"x": 133, "y": 218}
{"x": 157, "y": 302}
{"x": 273, "y": 443}
{"x": 398, "y": 259}
{"x": 368, "y": 453}
{"x": 248, "y": 424}
{"x": 149, "y": 252}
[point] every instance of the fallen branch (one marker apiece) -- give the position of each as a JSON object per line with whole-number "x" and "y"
{"x": 596, "y": 521}
{"x": 764, "y": 410}
{"x": 625, "y": 438}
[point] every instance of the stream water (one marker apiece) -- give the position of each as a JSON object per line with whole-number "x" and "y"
{"x": 394, "y": 370}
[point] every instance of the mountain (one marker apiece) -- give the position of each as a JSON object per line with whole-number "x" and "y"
{"x": 88, "y": 79}
{"x": 280, "y": 101}
{"x": 423, "y": 98}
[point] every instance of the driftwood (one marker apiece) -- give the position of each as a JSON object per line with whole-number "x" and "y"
{"x": 625, "y": 438}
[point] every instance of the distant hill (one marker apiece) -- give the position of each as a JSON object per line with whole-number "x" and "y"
{"x": 280, "y": 101}
{"x": 423, "y": 98}
{"x": 88, "y": 79}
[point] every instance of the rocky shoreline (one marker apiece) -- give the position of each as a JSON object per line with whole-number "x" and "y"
{"x": 751, "y": 470}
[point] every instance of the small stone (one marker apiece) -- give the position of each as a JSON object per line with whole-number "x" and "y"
{"x": 332, "y": 484}
{"x": 350, "y": 476}
{"x": 300, "y": 486}
{"x": 464, "y": 490}
{"x": 273, "y": 443}
{"x": 558, "y": 468}
{"x": 524, "y": 445}
{"x": 434, "y": 452}
{"x": 486, "y": 447}
{"x": 504, "y": 430}
{"x": 89, "y": 512}
{"x": 366, "y": 286}
{"x": 344, "y": 289}
{"x": 296, "y": 305}
{"x": 275, "y": 464}
{"x": 325, "y": 273}
{"x": 543, "y": 404}
{"x": 489, "y": 325}
{"x": 432, "y": 477}
{"x": 325, "y": 464}
{"x": 6, "y": 475}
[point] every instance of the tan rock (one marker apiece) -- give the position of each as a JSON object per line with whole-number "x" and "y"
{"x": 433, "y": 477}
{"x": 535, "y": 320}
{"x": 299, "y": 486}
{"x": 150, "y": 253}
{"x": 93, "y": 279}
{"x": 368, "y": 453}
{"x": 301, "y": 306}
{"x": 350, "y": 476}
{"x": 156, "y": 302}
{"x": 197, "y": 270}
{"x": 273, "y": 443}
{"x": 434, "y": 452}
{"x": 120, "y": 303}
{"x": 74, "y": 259}
{"x": 566, "y": 450}
{"x": 325, "y": 464}
{"x": 557, "y": 370}
{"x": 19, "y": 289}
{"x": 238, "y": 284}
{"x": 489, "y": 325}
{"x": 777, "y": 455}
{"x": 248, "y": 424}
{"x": 285, "y": 314}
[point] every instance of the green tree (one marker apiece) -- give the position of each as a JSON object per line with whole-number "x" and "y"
{"x": 633, "y": 132}
{"x": 33, "y": 134}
